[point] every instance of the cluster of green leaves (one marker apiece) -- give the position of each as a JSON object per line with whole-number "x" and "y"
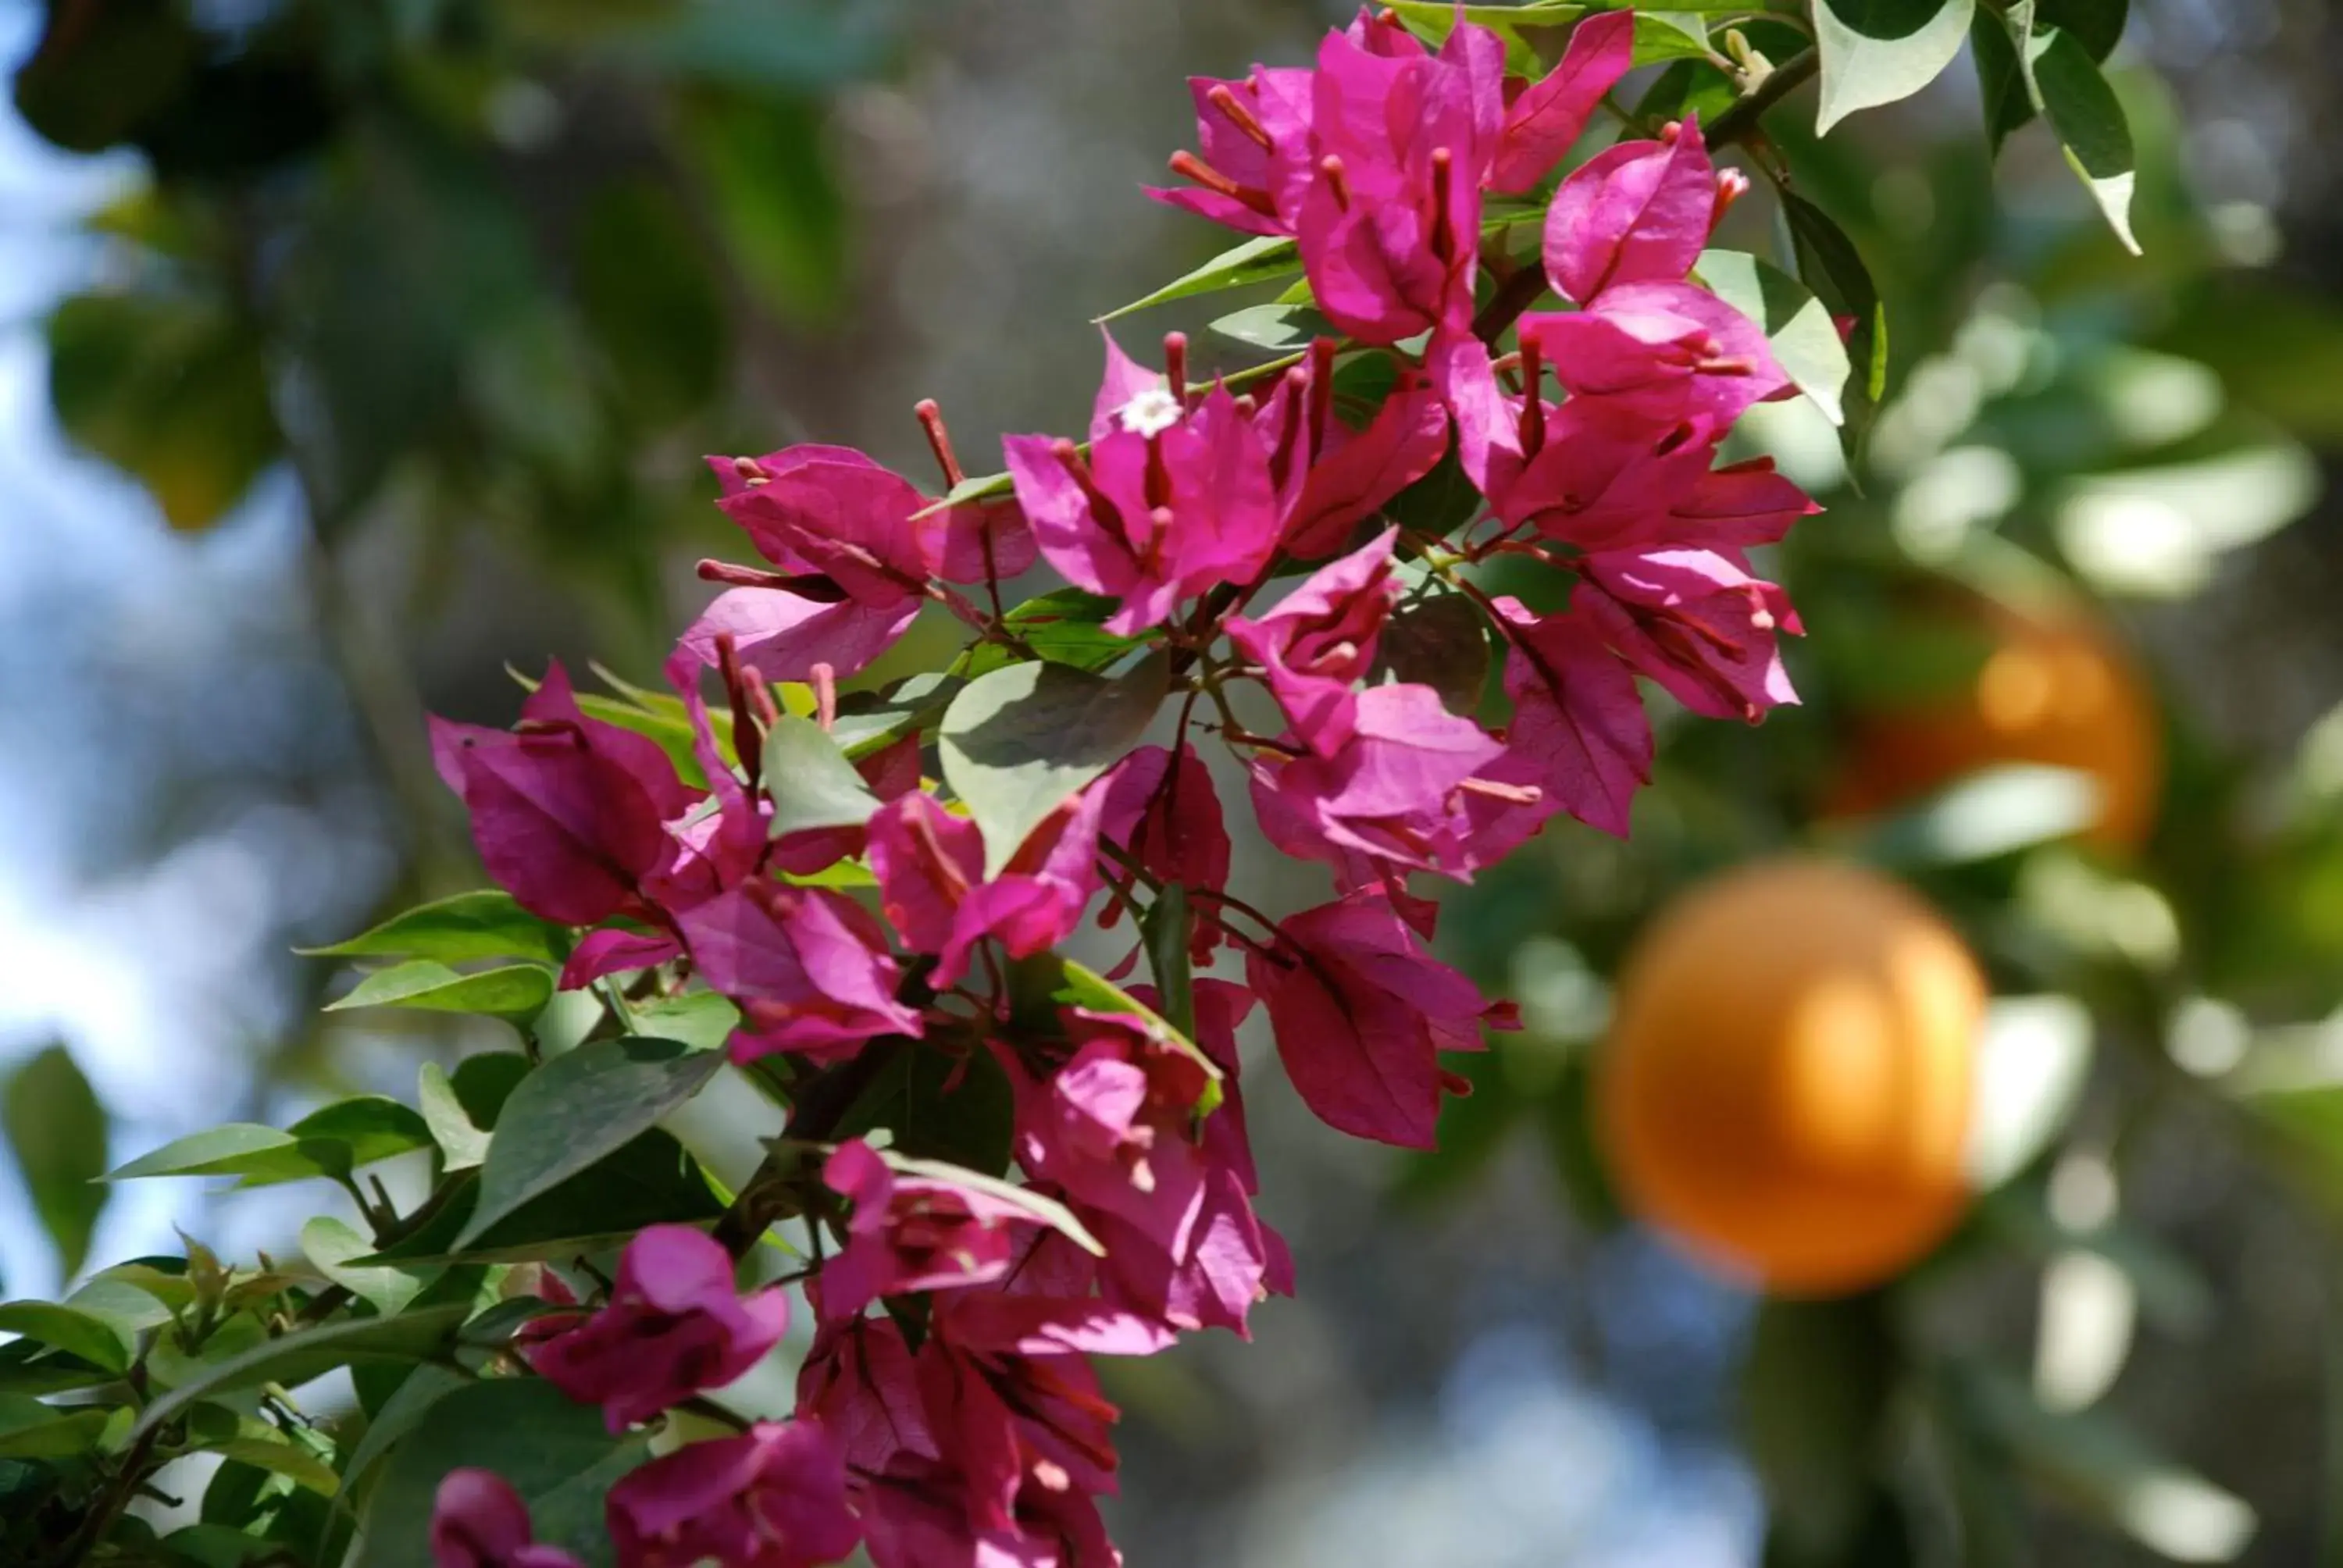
{"x": 348, "y": 256}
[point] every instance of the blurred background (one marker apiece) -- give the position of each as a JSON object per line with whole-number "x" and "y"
{"x": 351, "y": 352}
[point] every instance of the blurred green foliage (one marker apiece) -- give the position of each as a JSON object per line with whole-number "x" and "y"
{"x": 478, "y": 260}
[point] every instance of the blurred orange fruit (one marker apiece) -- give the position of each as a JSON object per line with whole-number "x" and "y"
{"x": 1787, "y": 1086}
{"x": 2057, "y": 690}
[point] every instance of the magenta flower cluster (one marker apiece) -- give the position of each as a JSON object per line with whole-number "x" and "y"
{"x": 947, "y": 1412}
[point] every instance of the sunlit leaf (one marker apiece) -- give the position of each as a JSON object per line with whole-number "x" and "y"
{"x": 1255, "y": 260}
{"x": 486, "y": 924}
{"x": 576, "y": 1111}
{"x": 57, "y": 1133}
{"x": 1876, "y": 52}
{"x": 512, "y": 991}
{"x": 1016, "y": 743}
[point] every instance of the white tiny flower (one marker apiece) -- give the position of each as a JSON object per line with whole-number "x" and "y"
{"x": 1150, "y": 413}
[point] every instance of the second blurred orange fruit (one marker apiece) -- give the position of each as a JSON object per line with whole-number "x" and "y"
{"x": 2055, "y": 688}
{"x": 1788, "y": 1083}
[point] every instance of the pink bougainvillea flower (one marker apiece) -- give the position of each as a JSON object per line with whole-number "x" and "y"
{"x": 1660, "y": 351}
{"x": 1396, "y": 791}
{"x": 1695, "y": 622}
{"x": 675, "y": 1326}
{"x": 1320, "y": 641}
{"x": 1006, "y": 1422}
{"x": 930, "y": 870}
{"x": 1164, "y": 1271}
{"x": 1362, "y": 1013}
{"x": 1110, "y": 1127}
{"x": 478, "y": 1520}
{"x": 830, "y": 511}
{"x": 1389, "y": 222}
{"x": 913, "y": 1233}
{"x": 568, "y": 812}
{"x": 1348, "y": 475}
{"x": 1498, "y": 431}
{"x": 615, "y": 949}
{"x": 917, "y": 1517}
{"x": 1172, "y": 498}
{"x": 1597, "y": 472}
{"x": 783, "y": 633}
{"x": 1578, "y": 721}
{"x": 809, "y": 968}
{"x": 1640, "y": 212}
{"x": 773, "y": 1497}
{"x": 1238, "y": 126}
{"x": 858, "y": 1382}
{"x": 978, "y": 541}
{"x": 1548, "y": 116}
{"x": 854, "y": 559}
{"x": 1168, "y": 819}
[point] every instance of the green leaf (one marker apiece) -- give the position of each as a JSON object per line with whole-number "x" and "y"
{"x": 1830, "y": 264}
{"x": 335, "y": 1248}
{"x": 935, "y": 1105}
{"x": 1047, "y": 1210}
{"x": 2065, "y": 85}
{"x": 1441, "y": 641}
{"x": 575, "y": 1110}
{"x": 2001, "y": 77}
{"x": 813, "y": 784}
{"x": 1438, "y": 502}
{"x": 371, "y": 1126}
{"x": 100, "y": 1341}
{"x": 1677, "y": 32}
{"x": 1689, "y": 86}
{"x": 424, "y": 1387}
{"x": 556, "y": 1453}
{"x": 32, "y": 1430}
{"x": 483, "y": 1082}
{"x": 238, "y": 1149}
{"x": 1066, "y": 627}
{"x": 486, "y": 924}
{"x": 1257, "y": 260}
{"x": 699, "y": 1018}
{"x": 119, "y": 368}
{"x": 1165, "y": 930}
{"x": 296, "y": 1358}
{"x": 28, "y": 1366}
{"x": 511, "y": 991}
{"x": 1279, "y": 328}
{"x": 1804, "y": 338}
{"x": 873, "y": 721}
{"x": 130, "y": 1308}
{"x": 1016, "y": 743}
{"x": 279, "y": 1457}
{"x": 329, "y": 1141}
{"x": 1876, "y": 52}
{"x": 462, "y": 1145}
{"x": 57, "y": 1131}
{"x": 651, "y": 1180}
